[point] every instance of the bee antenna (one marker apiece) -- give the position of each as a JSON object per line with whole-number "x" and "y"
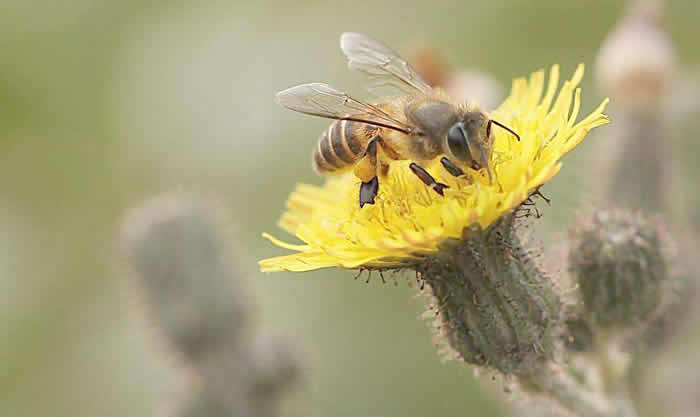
{"x": 501, "y": 125}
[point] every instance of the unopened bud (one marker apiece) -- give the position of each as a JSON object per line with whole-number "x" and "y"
{"x": 618, "y": 261}
{"x": 636, "y": 62}
{"x": 471, "y": 86}
{"x": 174, "y": 248}
{"x": 430, "y": 64}
{"x": 475, "y": 87}
{"x": 277, "y": 367}
{"x": 493, "y": 305}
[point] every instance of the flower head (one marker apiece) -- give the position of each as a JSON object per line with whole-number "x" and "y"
{"x": 409, "y": 220}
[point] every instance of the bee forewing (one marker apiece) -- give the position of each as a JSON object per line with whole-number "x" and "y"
{"x": 318, "y": 99}
{"x": 322, "y": 100}
{"x": 381, "y": 62}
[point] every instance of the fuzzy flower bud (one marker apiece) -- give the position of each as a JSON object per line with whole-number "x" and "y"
{"x": 494, "y": 306}
{"x": 475, "y": 86}
{"x": 175, "y": 248}
{"x": 469, "y": 86}
{"x": 636, "y": 62}
{"x": 619, "y": 264}
{"x": 636, "y": 68}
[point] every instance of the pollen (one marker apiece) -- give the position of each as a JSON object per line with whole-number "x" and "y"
{"x": 409, "y": 220}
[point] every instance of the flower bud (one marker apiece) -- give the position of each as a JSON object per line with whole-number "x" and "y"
{"x": 636, "y": 62}
{"x": 618, "y": 261}
{"x": 493, "y": 305}
{"x": 471, "y": 86}
{"x": 430, "y": 64}
{"x": 475, "y": 87}
{"x": 174, "y": 248}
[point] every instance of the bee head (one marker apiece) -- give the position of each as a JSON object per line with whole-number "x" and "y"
{"x": 467, "y": 141}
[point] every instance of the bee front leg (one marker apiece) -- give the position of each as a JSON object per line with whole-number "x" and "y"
{"x": 451, "y": 167}
{"x": 427, "y": 178}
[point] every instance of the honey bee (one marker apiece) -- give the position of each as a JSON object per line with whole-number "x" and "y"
{"x": 419, "y": 125}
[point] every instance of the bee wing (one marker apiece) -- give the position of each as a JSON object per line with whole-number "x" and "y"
{"x": 322, "y": 100}
{"x": 381, "y": 62}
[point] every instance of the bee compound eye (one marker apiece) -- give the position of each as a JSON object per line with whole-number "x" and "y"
{"x": 458, "y": 143}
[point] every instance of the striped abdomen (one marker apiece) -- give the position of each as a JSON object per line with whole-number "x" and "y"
{"x": 341, "y": 145}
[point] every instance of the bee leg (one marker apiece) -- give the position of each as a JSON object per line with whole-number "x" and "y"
{"x": 486, "y": 164}
{"x": 427, "y": 178}
{"x": 451, "y": 167}
{"x": 369, "y": 189}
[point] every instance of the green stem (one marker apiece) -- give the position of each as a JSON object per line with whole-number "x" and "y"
{"x": 561, "y": 387}
{"x": 613, "y": 371}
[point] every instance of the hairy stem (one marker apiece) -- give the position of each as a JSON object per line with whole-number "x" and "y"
{"x": 561, "y": 387}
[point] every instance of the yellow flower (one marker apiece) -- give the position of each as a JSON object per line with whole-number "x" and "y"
{"x": 409, "y": 220}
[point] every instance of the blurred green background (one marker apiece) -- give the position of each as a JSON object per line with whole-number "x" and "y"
{"x": 105, "y": 103}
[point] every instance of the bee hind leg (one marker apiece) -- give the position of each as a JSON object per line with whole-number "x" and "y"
{"x": 372, "y": 166}
{"x": 369, "y": 190}
{"x": 366, "y": 171}
{"x": 427, "y": 178}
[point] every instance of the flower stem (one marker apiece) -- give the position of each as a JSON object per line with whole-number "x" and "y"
{"x": 561, "y": 387}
